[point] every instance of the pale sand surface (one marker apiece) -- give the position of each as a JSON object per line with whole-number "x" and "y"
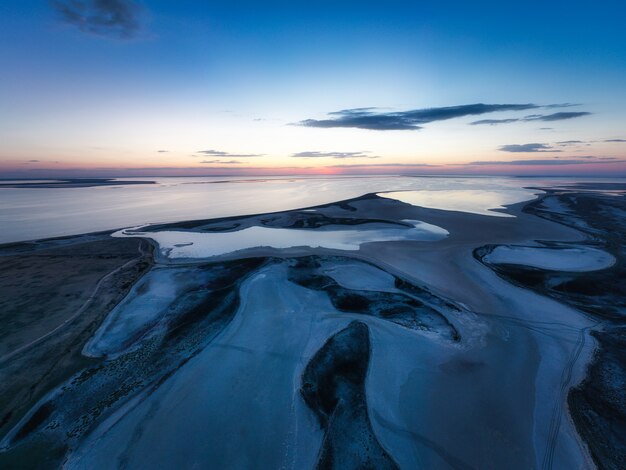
{"x": 236, "y": 404}
{"x": 141, "y": 309}
{"x": 431, "y": 402}
{"x": 523, "y": 361}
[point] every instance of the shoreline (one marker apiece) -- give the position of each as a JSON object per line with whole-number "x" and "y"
{"x": 67, "y": 183}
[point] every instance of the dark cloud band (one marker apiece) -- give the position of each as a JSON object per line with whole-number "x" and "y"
{"x": 584, "y": 160}
{"x": 369, "y": 118}
{"x": 516, "y": 148}
{"x": 110, "y": 18}
{"x": 533, "y": 117}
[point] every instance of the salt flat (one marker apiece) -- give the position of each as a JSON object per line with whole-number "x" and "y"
{"x": 557, "y": 259}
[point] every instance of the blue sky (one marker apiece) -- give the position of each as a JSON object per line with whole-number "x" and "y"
{"x": 85, "y": 90}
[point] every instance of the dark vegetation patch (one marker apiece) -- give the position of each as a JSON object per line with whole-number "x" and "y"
{"x": 217, "y": 302}
{"x": 598, "y": 405}
{"x": 292, "y": 220}
{"x": 38, "y": 417}
{"x": 412, "y": 307}
{"x": 333, "y": 386}
{"x": 34, "y": 455}
{"x": 56, "y": 243}
{"x": 312, "y": 220}
{"x": 600, "y": 186}
{"x": 224, "y": 224}
{"x": 222, "y": 228}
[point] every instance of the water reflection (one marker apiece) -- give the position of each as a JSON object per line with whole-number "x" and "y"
{"x": 483, "y": 201}
{"x": 27, "y": 214}
{"x": 181, "y": 244}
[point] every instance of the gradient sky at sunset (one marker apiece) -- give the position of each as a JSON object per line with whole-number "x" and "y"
{"x": 125, "y": 88}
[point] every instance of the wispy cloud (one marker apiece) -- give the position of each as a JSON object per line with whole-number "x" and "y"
{"x": 560, "y": 116}
{"x": 371, "y": 119}
{"x": 535, "y": 147}
{"x": 533, "y": 117}
{"x": 312, "y": 154}
{"x": 493, "y": 122}
{"x": 228, "y": 162}
{"x": 615, "y": 140}
{"x": 584, "y": 160}
{"x": 162, "y": 151}
{"x": 219, "y": 153}
{"x": 374, "y": 165}
{"x": 561, "y": 105}
{"x": 109, "y": 18}
{"x": 516, "y": 148}
{"x": 375, "y": 119}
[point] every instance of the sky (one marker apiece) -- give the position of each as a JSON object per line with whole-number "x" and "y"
{"x": 156, "y": 87}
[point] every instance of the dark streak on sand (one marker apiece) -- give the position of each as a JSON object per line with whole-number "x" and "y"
{"x": 333, "y": 386}
{"x": 308, "y": 220}
{"x": 291, "y": 220}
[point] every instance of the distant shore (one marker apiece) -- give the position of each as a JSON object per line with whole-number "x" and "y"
{"x": 69, "y": 183}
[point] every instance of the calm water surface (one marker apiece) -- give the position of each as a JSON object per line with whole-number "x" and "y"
{"x": 27, "y": 214}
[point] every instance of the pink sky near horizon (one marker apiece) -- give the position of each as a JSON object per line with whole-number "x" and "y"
{"x": 33, "y": 170}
